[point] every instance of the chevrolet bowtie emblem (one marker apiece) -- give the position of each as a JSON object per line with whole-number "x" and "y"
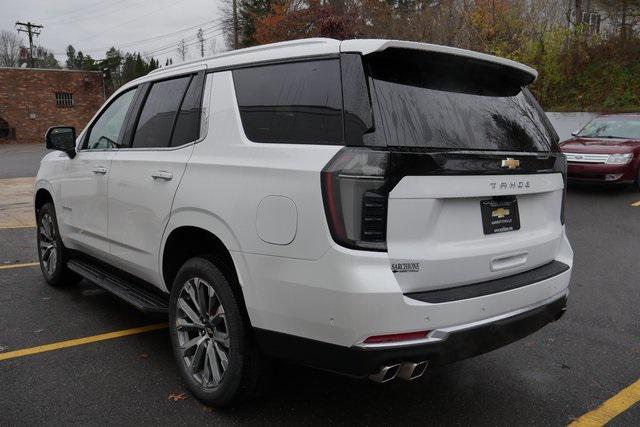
{"x": 500, "y": 213}
{"x": 510, "y": 163}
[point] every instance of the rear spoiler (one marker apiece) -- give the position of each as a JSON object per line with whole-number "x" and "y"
{"x": 368, "y": 46}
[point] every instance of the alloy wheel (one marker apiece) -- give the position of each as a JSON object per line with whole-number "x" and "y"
{"x": 203, "y": 335}
{"x": 47, "y": 244}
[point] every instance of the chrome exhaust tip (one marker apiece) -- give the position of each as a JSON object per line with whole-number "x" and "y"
{"x": 385, "y": 374}
{"x": 410, "y": 371}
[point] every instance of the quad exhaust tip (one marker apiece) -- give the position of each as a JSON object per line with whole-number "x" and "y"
{"x": 411, "y": 371}
{"x": 407, "y": 371}
{"x": 385, "y": 374}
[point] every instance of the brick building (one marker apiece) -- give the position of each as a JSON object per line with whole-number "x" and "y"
{"x": 32, "y": 100}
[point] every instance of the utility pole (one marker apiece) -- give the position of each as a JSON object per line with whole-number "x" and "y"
{"x": 31, "y": 30}
{"x": 235, "y": 24}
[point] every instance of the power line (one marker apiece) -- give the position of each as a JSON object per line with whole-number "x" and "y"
{"x": 31, "y": 30}
{"x": 173, "y": 44}
{"x": 144, "y": 16}
{"x": 83, "y": 15}
{"x": 99, "y": 33}
{"x": 188, "y": 39}
{"x": 163, "y": 36}
{"x": 91, "y": 7}
{"x": 147, "y": 40}
{"x": 169, "y": 48}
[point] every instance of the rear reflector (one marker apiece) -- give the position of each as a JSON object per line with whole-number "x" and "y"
{"x": 406, "y": 336}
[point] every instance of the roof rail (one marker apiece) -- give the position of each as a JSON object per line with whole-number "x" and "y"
{"x": 269, "y": 46}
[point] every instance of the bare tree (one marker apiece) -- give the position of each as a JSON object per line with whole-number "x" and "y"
{"x": 182, "y": 50}
{"x": 625, "y": 14}
{"x": 9, "y": 49}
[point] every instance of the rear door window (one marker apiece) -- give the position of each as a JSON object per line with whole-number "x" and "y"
{"x": 299, "y": 103}
{"x": 187, "y": 127}
{"x": 159, "y": 112}
{"x": 436, "y": 101}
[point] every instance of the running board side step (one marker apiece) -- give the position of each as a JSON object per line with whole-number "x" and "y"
{"x": 141, "y": 297}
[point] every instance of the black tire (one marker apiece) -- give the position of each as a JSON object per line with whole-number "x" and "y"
{"x": 243, "y": 373}
{"x": 638, "y": 180}
{"x": 52, "y": 254}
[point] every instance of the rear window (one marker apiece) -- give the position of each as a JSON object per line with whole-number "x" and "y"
{"x": 299, "y": 103}
{"x": 433, "y": 100}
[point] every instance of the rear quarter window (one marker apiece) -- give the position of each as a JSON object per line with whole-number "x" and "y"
{"x": 297, "y": 103}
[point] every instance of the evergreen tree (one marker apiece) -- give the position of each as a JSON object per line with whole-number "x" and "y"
{"x": 140, "y": 68}
{"x": 71, "y": 57}
{"x": 78, "y": 61}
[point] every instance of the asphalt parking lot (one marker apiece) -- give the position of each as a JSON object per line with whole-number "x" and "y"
{"x": 557, "y": 375}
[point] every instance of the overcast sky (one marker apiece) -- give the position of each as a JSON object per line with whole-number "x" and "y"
{"x": 92, "y": 26}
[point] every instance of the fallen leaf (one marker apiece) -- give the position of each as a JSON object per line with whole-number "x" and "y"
{"x": 176, "y": 397}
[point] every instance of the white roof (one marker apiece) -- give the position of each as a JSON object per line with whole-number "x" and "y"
{"x": 323, "y": 46}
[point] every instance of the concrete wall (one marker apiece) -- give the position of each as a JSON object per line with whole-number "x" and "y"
{"x": 28, "y": 101}
{"x": 565, "y": 123}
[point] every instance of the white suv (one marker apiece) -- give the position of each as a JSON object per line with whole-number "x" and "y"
{"x": 364, "y": 207}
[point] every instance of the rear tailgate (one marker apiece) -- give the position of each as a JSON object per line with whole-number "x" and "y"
{"x": 435, "y": 233}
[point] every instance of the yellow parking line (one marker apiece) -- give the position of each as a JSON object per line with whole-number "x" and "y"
{"x": 21, "y": 265}
{"x": 81, "y": 341}
{"x": 611, "y": 408}
{"x": 12, "y": 226}
{"x": 636, "y": 204}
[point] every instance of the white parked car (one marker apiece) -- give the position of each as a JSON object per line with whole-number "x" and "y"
{"x": 366, "y": 207}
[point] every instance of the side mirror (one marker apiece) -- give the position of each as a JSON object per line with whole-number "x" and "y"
{"x": 575, "y": 133}
{"x": 62, "y": 138}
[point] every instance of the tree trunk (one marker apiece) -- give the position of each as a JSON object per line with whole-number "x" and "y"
{"x": 578, "y": 21}
{"x": 623, "y": 20}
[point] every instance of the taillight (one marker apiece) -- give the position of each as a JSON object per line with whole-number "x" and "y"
{"x": 564, "y": 190}
{"x": 355, "y": 195}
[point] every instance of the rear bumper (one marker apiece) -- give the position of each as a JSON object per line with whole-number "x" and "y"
{"x": 441, "y": 347}
{"x": 347, "y": 296}
{"x": 601, "y": 173}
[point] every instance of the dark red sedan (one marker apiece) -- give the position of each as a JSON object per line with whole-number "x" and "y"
{"x": 606, "y": 150}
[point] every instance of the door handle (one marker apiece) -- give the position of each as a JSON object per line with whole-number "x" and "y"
{"x": 165, "y": 176}
{"x": 100, "y": 170}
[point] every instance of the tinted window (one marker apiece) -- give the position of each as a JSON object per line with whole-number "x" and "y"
{"x": 432, "y": 100}
{"x": 159, "y": 112}
{"x": 105, "y": 132}
{"x": 357, "y": 103}
{"x": 188, "y": 124}
{"x": 297, "y": 103}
